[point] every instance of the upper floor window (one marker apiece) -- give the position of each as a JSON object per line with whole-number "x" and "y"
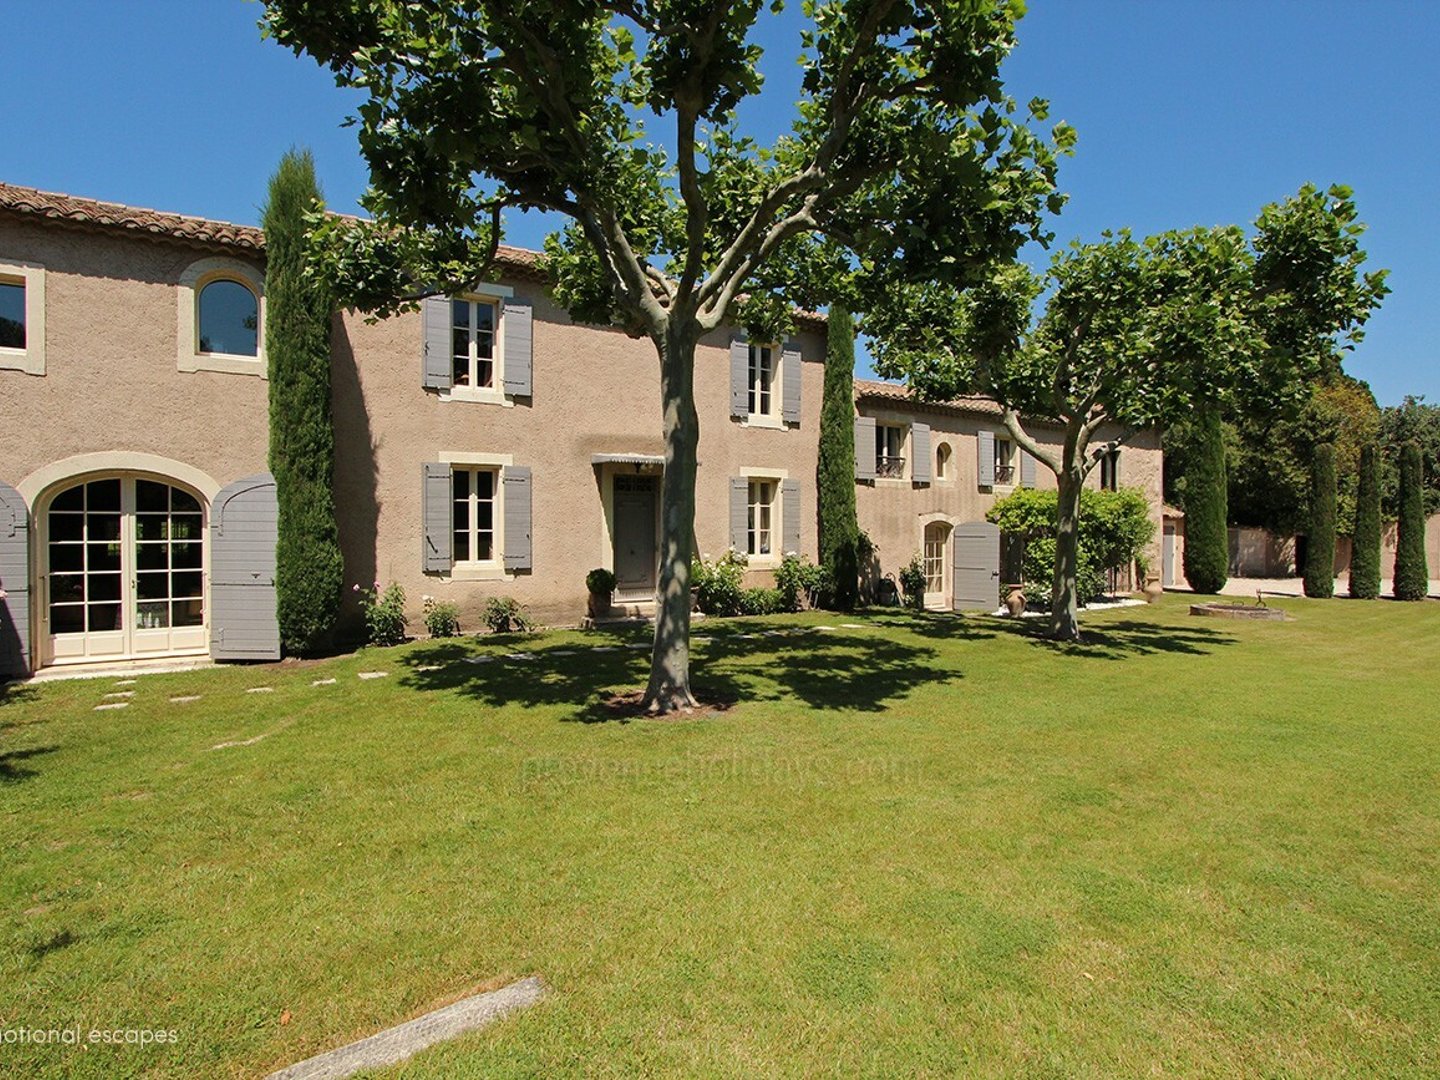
{"x": 228, "y": 319}
{"x": 221, "y": 325}
{"x": 474, "y": 515}
{"x": 942, "y": 461}
{"x": 1004, "y": 461}
{"x": 889, "y": 450}
{"x": 12, "y": 314}
{"x": 761, "y": 532}
{"x": 1110, "y": 470}
{"x": 22, "y": 318}
{"x": 763, "y": 399}
{"x": 473, "y": 353}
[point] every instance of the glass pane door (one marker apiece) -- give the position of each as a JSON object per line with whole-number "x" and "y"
{"x": 169, "y": 604}
{"x": 85, "y": 594}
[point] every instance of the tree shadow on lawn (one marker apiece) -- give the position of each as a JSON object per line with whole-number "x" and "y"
{"x": 742, "y": 661}
{"x": 11, "y": 772}
{"x": 1106, "y": 640}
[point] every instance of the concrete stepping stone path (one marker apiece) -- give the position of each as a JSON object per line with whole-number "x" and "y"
{"x": 374, "y": 674}
{"x": 113, "y": 705}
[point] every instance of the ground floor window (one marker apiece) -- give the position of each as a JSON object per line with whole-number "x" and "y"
{"x": 474, "y": 493}
{"x": 936, "y": 533}
{"x": 762, "y": 517}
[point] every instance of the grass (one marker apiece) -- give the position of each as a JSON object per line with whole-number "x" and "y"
{"x": 926, "y": 846}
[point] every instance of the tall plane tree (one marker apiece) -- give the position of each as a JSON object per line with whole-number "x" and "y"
{"x": 622, "y": 116}
{"x": 1135, "y": 334}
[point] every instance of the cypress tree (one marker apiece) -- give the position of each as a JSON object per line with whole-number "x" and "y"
{"x": 839, "y": 526}
{"x": 309, "y": 570}
{"x": 1320, "y": 542}
{"x": 1412, "y": 576}
{"x": 1365, "y": 544}
{"x": 1207, "y": 534}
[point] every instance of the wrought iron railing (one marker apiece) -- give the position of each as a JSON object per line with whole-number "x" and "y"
{"x": 1004, "y": 474}
{"x": 890, "y": 467}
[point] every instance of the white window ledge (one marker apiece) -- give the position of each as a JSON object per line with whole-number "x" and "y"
{"x": 761, "y": 420}
{"x": 477, "y": 571}
{"x": 483, "y": 395}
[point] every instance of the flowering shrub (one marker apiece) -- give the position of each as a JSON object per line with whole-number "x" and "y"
{"x": 799, "y": 582}
{"x": 912, "y": 582}
{"x": 442, "y": 618}
{"x": 717, "y": 585}
{"x": 384, "y": 613}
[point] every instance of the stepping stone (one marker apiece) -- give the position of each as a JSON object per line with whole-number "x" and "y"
{"x": 396, "y": 1044}
{"x": 184, "y": 698}
{"x": 519, "y": 656}
{"x": 478, "y": 659}
{"x": 323, "y": 682}
{"x": 563, "y": 652}
{"x": 827, "y": 628}
{"x": 261, "y": 690}
{"x": 638, "y": 646}
{"x": 125, "y": 682}
{"x": 420, "y": 669}
{"x": 113, "y": 705}
{"x": 121, "y": 694}
{"x": 374, "y": 674}
{"x": 853, "y": 625}
{"x": 603, "y": 648}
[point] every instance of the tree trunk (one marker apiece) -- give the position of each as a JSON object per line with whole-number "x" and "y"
{"x": 1064, "y": 602}
{"x": 669, "y": 688}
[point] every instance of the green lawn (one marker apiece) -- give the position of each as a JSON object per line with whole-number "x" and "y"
{"x": 927, "y": 846}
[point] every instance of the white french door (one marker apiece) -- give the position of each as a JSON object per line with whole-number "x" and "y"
{"x": 124, "y": 571}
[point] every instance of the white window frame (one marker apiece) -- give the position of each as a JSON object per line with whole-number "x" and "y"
{"x": 492, "y": 569}
{"x": 774, "y": 416}
{"x": 494, "y": 394}
{"x": 1005, "y": 459}
{"x": 775, "y": 478}
{"x": 31, "y": 277}
{"x": 936, "y": 595}
{"x": 902, "y": 438}
{"x": 193, "y": 280}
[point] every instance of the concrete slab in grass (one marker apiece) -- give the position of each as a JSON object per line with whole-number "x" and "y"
{"x": 396, "y": 1044}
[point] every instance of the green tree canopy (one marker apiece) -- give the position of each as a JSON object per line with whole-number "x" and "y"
{"x": 622, "y": 116}
{"x": 1138, "y": 333}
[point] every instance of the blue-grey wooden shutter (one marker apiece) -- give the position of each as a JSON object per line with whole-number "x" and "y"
{"x": 243, "y": 519}
{"x": 436, "y": 368}
{"x": 920, "y": 453}
{"x": 739, "y": 376}
{"x": 864, "y": 448}
{"x": 985, "y": 449}
{"x": 1027, "y": 469}
{"x": 790, "y": 382}
{"x": 14, "y": 583}
{"x": 975, "y": 583}
{"x": 516, "y": 328}
{"x": 437, "y": 518}
{"x": 790, "y": 517}
{"x": 518, "y": 512}
{"x": 740, "y": 514}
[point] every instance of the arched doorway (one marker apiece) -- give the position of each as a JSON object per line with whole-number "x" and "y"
{"x": 121, "y": 569}
{"x": 937, "y": 565}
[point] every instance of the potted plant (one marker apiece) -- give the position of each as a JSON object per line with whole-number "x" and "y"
{"x": 1014, "y": 599}
{"x": 600, "y": 583}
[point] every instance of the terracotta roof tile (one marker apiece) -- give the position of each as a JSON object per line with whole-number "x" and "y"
{"x": 873, "y": 390}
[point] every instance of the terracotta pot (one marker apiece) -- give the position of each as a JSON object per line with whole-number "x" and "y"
{"x": 1153, "y": 590}
{"x": 598, "y": 604}
{"x": 1015, "y": 601}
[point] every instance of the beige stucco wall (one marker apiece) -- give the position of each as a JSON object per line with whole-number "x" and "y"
{"x": 894, "y": 512}
{"x": 111, "y": 382}
{"x": 596, "y": 391}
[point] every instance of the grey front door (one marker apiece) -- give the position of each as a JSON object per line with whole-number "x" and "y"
{"x": 635, "y": 554}
{"x": 977, "y": 567}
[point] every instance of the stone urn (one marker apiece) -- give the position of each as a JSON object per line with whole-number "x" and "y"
{"x": 1015, "y": 600}
{"x": 1153, "y": 589}
{"x": 598, "y": 604}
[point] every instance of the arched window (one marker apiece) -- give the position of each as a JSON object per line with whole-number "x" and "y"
{"x": 228, "y": 319}
{"x": 942, "y": 461}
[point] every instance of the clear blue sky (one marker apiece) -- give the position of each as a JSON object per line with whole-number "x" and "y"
{"x": 1188, "y": 113}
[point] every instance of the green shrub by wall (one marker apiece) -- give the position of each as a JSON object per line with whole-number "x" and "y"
{"x": 1365, "y": 543}
{"x": 1320, "y": 539}
{"x": 1412, "y": 576}
{"x": 1207, "y": 533}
